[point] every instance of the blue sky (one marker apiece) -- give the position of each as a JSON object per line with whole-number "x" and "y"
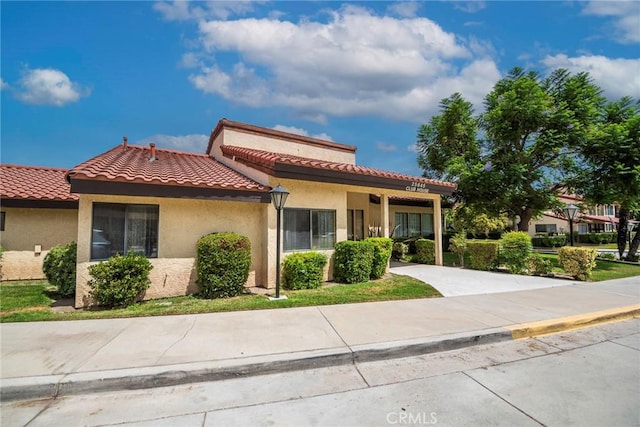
{"x": 78, "y": 76}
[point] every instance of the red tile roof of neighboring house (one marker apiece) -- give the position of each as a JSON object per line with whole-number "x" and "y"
{"x": 132, "y": 164}
{"x": 271, "y": 160}
{"x": 34, "y": 183}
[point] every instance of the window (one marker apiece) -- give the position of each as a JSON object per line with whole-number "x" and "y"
{"x": 355, "y": 224}
{"x": 119, "y": 228}
{"x": 2, "y": 218}
{"x": 546, "y": 228}
{"x": 309, "y": 229}
{"x": 413, "y": 225}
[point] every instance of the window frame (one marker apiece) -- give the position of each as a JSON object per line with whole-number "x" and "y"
{"x": 3, "y": 218}
{"x": 406, "y": 226}
{"x": 352, "y": 224}
{"x": 312, "y": 238}
{"x": 126, "y": 210}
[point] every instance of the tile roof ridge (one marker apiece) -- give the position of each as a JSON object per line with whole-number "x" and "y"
{"x": 166, "y": 150}
{"x": 49, "y": 168}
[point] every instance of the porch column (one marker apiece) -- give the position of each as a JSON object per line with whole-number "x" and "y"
{"x": 437, "y": 229}
{"x": 384, "y": 214}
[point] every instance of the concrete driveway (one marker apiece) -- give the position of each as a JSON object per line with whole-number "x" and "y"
{"x": 453, "y": 281}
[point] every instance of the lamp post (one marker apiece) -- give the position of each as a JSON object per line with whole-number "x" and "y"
{"x": 278, "y": 198}
{"x": 570, "y": 212}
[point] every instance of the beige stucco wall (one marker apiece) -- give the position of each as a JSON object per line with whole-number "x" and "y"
{"x": 276, "y": 145}
{"x": 561, "y": 224}
{"x": 27, "y": 227}
{"x": 22, "y": 265}
{"x": 181, "y": 223}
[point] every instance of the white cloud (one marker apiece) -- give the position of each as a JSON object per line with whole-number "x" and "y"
{"x": 405, "y": 9}
{"x": 48, "y": 86}
{"x": 196, "y": 143}
{"x": 616, "y": 76}
{"x": 356, "y": 63}
{"x": 181, "y": 10}
{"x": 301, "y": 132}
{"x": 472, "y": 6}
{"x": 3, "y": 85}
{"x": 413, "y": 148}
{"x": 625, "y": 15}
{"x": 383, "y": 146}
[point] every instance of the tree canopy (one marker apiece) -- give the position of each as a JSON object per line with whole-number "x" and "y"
{"x": 514, "y": 158}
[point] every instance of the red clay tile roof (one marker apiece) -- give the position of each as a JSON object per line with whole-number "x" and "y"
{"x": 34, "y": 183}
{"x": 270, "y": 160}
{"x": 132, "y": 165}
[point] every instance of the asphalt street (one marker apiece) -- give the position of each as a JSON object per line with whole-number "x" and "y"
{"x": 585, "y": 377}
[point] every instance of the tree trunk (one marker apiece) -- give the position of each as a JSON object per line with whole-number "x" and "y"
{"x": 622, "y": 230}
{"x": 633, "y": 248}
{"x": 525, "y": 219}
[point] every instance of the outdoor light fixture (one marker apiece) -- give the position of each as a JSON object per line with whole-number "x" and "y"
{"x": 570, "y": 212}
{"x": 278, "y": 198}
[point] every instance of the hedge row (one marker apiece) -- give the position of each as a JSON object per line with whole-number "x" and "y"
{"x": 359, "y": 261}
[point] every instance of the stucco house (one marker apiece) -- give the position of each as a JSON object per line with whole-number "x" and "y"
{"x": 590, "y": 219}
{"x": 159, "y": 202}
{"x": 37, "y": 212}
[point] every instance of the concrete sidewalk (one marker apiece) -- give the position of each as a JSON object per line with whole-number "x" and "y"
{"x": 45, "y": 359}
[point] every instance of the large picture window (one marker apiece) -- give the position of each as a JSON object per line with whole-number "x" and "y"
{"x": 309, "y": 229}
{"x": 413, "y": 225}
{"x": 119, "y": 228}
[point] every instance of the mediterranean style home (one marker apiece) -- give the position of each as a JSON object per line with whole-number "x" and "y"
{"x": 159, "y": 202}
{"x": 590, "y": 219}
{"x": 38, "y": 211}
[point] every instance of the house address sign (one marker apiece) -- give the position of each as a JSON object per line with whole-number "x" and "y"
{"x": 417, "y": 187}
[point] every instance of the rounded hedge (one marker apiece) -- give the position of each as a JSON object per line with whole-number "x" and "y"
{"x": 59, "y": 267}
{"x": 381, "y": 254}
{"x": 222, "y": 264}
{"x": 303, "y": 270}
{"x": 121, "y": 280}
{"x": 354, "y": 261}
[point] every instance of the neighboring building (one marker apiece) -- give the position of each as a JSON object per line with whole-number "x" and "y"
{"x": 160, "y": 202}
{"x": 590, "y": 219}
{"x": 37, "y": 212}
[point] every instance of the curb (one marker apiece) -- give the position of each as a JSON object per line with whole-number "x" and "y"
{"x": 545, "y": 327}
{"x": 54, "y": 386}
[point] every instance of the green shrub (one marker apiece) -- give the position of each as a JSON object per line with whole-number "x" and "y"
{"x": 426, "y": 251}
{"x": 400, "y": 251}
{"x": 59, "y": 267}
{"x": 607, "y": 255}
{"x": 222, "y": 264}
{"x": 121, "y": 280}
{"x": 515, "y": 250}
{"x": 458, "y": 244}
{"x": 303, "y": 270}
{"x": 578, "y": 262}
{"x": 354, "y": 261}
{"x": 483, "y": 255}
{"x": 538, "y": 265}
{"x": 382, "y": 249}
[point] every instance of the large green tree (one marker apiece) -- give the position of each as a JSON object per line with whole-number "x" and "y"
{"x": 610, "y": 171}
{"x": 513, "y": 158}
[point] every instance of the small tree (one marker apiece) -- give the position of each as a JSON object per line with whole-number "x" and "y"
{"x": 515, "y": 251}
{"x": 458, "y": 245}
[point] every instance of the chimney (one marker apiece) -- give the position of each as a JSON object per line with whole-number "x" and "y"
{"x": 152, "y": 147}
{"x": 125, "y": 142}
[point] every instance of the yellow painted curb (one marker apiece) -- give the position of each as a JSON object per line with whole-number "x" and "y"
{"x": 544, "y": 327}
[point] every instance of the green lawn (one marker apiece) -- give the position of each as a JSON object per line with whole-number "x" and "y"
{"x": 22, "y": 303}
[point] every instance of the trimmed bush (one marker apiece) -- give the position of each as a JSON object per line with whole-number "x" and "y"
{"x": 382, "y": 249}
{"x": 515, "y": 250}
{"x": 354, "y": 261}
{"x": 59, "y": 267}
{"x": 538, "y": 265}
{"x": 458, "y": 244}
{"x": 121, "y": 280}
{"x": 483, "y": 255}
{"x": 400, "y": 251}
{"x": 303, "y": 270}
{"x": 222, "y": 264}
{"x": 578, "y": 262}
{"x": 426, "y": 251}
